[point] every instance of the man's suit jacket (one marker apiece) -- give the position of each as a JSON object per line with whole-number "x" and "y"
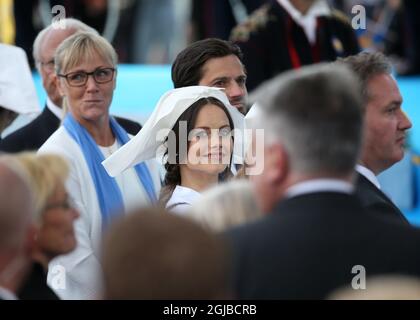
{"x": 308, "y": 246}
{"x": 35, "y": 287}
{"x": 33, "y": 135}
{"x": 376, "y": 202}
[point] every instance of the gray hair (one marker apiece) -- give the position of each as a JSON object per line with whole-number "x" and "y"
{"x": 366, "y": 65}
{"x": 81, "y": 46}
{"x": 315, "y": 113}
{"x": 70, "y": 23}
{"x": 226, "y": 205}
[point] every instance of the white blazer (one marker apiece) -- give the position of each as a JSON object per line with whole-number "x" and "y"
{"x": 83, "y": 272}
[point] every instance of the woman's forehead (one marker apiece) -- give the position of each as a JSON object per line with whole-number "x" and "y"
{"x": 211, "y": 116}
{"x": 91, "y": 59}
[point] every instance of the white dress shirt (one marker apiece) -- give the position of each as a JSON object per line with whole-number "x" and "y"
{"x": 307, "y": 21}
{"x": 58, "y": 112}
{"x": 319, "y": 185}
{"x": 6, "y": 294}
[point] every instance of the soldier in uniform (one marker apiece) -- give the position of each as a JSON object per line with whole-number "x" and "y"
{"x": 287, "y": 34}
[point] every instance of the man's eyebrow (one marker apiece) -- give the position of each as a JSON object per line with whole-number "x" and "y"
{"x": 395, "y": 103}
{"x": 220, "y": 78}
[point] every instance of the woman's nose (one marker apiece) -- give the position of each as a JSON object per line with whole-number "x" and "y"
{"x": 91, "y": 83}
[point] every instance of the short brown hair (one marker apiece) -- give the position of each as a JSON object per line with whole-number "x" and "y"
{"x": 187, "y": 67}
{"x": 367, "y": 65}
{"x": 152, "y": 254}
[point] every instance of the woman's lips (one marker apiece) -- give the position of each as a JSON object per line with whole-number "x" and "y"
{"x": 216, "y": 157}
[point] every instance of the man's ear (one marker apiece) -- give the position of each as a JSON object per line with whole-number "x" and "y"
{"x": 277, "y": 163}
{"x": 59, "y": 85}
{"x": 31, "y": 239}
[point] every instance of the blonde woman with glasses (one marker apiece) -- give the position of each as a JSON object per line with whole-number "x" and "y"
{"x": 85, "y": 65}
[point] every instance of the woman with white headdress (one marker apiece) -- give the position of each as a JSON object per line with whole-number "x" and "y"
{"x": 191, "y": 130}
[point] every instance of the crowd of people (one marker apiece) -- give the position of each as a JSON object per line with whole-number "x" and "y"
{"x": 100, "y": 207}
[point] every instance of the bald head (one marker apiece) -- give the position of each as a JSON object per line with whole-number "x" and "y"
{"x": 152, "y": 254}
{"x": 15, "y": 206}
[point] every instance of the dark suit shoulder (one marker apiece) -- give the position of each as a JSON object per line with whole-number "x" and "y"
{"x": 309, "y": 244}
{"x": 33, "y": 135}
{"x": 132, "y": 127}
{"x": 376, "y": 202}
{"x": 340, "y": 17}
{"x": 366, "y": 191}
{"x": 35, "y": 286}
{"x": 343, "y": 29}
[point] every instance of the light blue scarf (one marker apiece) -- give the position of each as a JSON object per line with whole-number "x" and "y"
{"x": 109, "y": 194}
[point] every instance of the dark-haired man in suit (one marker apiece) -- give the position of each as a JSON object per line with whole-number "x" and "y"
{"x": 34, "y": 134}
{"x": 317, "y": 232}
{"x": 385, "y": 130}
{"x": 215, "y": 63}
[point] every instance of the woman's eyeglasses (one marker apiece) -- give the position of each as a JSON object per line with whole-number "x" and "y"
{"x": 79, "y": 78}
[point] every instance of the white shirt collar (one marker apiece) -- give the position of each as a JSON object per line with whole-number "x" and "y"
{"x": 307, "y": 21}
{"x": 107, "y": 151}
{"x": 368, "y": 174}
{"x": 319, "y": 185}
{"x": 55, "y": 109}
{"x": 6, "y": 294}
{"x": 183, "y": 195}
